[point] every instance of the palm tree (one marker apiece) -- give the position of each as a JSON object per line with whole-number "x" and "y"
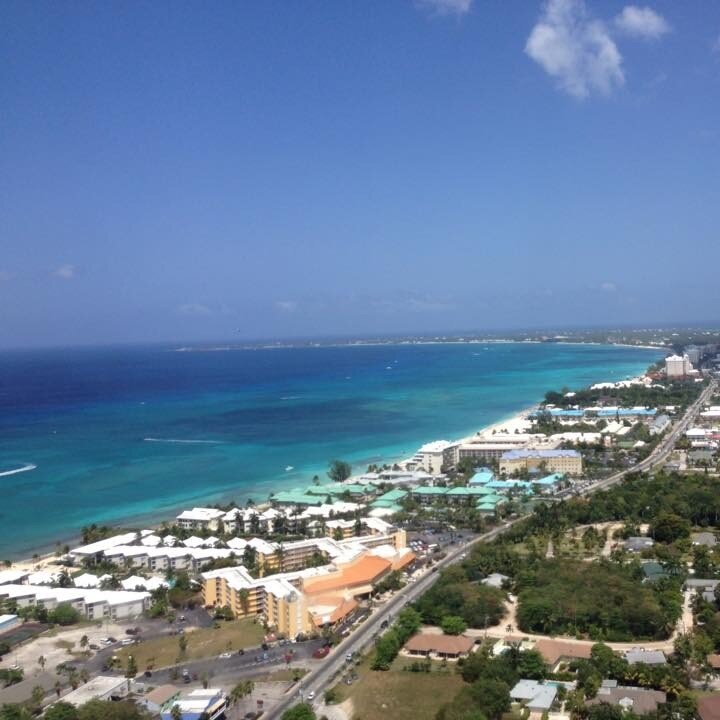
{"x": 41, "y": 662}
{"x": 84, "y": 641}
{"x": 57, "y": 687}
{"x": 84, "y": 675}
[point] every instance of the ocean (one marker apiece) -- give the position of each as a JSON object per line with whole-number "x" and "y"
{"x": 137, "y": 432}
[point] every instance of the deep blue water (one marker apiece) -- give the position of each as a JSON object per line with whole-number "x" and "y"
{"x": 83, "y": 416}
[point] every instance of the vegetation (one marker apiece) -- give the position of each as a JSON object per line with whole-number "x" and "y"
{"x": 556, "y": 597}
{"x": 388, "y": 646}
{"x": 303, "y": 711}
{"x": 453, "y": 594}
{"x": 339, "y": 471}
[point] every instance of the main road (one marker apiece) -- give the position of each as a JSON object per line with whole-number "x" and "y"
{"x": 320, "y": 678}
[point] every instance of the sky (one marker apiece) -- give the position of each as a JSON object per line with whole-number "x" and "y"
{"x": 267, "y": 169}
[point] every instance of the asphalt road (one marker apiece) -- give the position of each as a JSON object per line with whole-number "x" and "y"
{"x": 319, "y": 680}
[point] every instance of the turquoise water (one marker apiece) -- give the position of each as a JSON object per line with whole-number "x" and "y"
{"x": 137, "y": 432}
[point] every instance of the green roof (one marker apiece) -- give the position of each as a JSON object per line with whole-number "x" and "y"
{"x": 469, "y": 491}
{"x": 340, "y": 489}
{"x": 380, "y": 503}
{"x": 296, "y": 497}
{"x": 486, "y": 507}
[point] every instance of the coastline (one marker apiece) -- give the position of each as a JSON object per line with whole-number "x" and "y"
{"x": 260, "y": 489}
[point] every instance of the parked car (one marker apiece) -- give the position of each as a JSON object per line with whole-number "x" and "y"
{"x": 321, "y": 652}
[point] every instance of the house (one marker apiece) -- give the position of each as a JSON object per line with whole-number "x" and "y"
{"x": 645, "y": 657}
{"x": 426, "y": 495}
{"x": 638, "y": 544}
{"x": 534, "y": 695}
{"x": 161, "y": 699}
{"x": 450, "y": 647}
{"x": 210, "y": 703}
{"x": 556, "y": 651}
{"x": 708, "y": 707}
{"x": 704, "y": 538}
{"x": 638, "y": 700}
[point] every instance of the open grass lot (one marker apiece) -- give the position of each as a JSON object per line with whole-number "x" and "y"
{"x": 399, "y": 694}
{"x": 201, "y": 643}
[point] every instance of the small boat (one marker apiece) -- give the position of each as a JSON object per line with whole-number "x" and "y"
{"x": 289, "y": 468}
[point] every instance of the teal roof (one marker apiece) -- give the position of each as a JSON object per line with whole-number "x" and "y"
{"x": 296, "y": 497}
{"x": 553, "y": 479}
{"x": 492, "y": 499}
{"x": 469, "y": 491}
{"x": 340, "y": 489}
{"x": 380, "y": 503}
{"x": 482, "y": 476}
{"x": 486, "y": 507}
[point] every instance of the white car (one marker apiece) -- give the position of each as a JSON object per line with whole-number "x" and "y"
{"x": 310, "y": 695}
{"x": 225, "y": 655}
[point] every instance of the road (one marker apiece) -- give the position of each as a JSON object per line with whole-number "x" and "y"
{"x": 318, "y": 680}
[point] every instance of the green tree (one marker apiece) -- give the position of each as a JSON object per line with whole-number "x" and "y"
{"x": 453, "y": 625}
{"x": 339, "y": 471}
{"x": 303, "y": 711}
{"x": 61, "y": 711}
{"x": 64, "y": 614}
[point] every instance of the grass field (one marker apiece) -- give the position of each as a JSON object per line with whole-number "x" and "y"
{"x": 202, "y": 643}
{"x": 399, "y": 694}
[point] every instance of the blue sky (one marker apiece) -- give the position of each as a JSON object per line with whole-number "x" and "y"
{"x": 270, "y": 169}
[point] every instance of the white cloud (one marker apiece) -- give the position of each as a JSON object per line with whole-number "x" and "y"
{"x": 288, "y": 306}
{"x": 608, "y": 287}
{"x": 66, "y": 272}
{"x": 447, "y": 7}
{"x": 642, "y": 22}
{"x": 575, "y": 49}
{"x": 194, "y": 310}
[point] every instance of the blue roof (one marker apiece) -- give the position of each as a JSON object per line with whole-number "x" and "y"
{"x": 482, "y": 476}
{"x": 625, "y": 412}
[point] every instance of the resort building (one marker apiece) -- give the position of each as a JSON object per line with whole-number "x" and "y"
{"x": 678, "y": 367}
{"x": 300, "y": 601}
{"x": 435, "y": 456}
{"x": 200, "y": 518}
{"x": 91, "y": 604}
{"x": 566, "y": 462}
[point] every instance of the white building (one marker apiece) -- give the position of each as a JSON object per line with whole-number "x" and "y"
{"x": 200, "y": 518}
{"x": 678, "y": 367}
{"x": 434, "y": 455}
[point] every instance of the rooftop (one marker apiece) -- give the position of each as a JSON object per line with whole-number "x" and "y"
{"x": 441, "y": 644}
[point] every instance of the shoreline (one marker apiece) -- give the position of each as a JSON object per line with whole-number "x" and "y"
{"x": 165, "y": 513}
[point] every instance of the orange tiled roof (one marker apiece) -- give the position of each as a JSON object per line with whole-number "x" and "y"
{"x": 403, "y": 561}
{"x": 343, "y": 608}
{"x": 364, "y": 571}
